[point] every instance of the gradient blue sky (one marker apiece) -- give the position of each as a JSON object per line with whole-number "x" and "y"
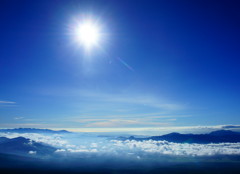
{"x": 161, "y": 63}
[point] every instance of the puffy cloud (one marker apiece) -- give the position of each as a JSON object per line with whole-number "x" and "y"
{"x": 150, "y": 147}
{"x": 32, "y": 152}
{"x": 93, "y": 145}
{"x": 183, "y": 149}
{"x": 60, "y": 150}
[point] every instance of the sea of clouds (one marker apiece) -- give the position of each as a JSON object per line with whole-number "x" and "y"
{"x": 89, "y": 144}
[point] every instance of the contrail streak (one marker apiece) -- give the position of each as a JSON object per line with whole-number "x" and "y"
{"x": 125, "y": 64}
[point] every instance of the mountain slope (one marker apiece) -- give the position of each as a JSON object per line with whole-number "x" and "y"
{"x": 23, "y": 146}
{"x": 213, "y": 137}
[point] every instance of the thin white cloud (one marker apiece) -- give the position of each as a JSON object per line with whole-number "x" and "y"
{"x": 124, "y": 123}
{"x": 134, "y": 120}
{"x": 138, "y": 99}
{"x": 18, "y": 118}
{"x": 26, "y": 125}
{"x": 7, "y": 102}
{"x": 103, "y": 97}
{"x": 158, "y": 115}
{"x": 152, "y": 130}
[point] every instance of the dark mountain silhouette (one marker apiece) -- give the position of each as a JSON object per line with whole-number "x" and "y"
{"x": 23, "y": 146}
{"x": 32, "y": 130}
{"x": 224, "y": 132}
{"x": 220, "y": 136}
{"x": 3, "y": 139}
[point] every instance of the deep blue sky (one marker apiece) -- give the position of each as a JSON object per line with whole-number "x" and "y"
{"x": 184, "y": 57}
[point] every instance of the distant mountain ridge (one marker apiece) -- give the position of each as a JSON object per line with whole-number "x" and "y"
{"x": 32, "y": 130}
{"x": 24, "y": 146}
{"x": 220, "y": 136}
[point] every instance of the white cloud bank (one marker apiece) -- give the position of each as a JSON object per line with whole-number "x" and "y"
{"x": 183, "y": 149}
{"x": 89, "y": 144}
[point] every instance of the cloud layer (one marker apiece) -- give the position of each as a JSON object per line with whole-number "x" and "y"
{"x": 90, "y": 144}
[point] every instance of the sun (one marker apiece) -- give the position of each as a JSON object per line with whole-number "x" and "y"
{"x": 88, "y": 34}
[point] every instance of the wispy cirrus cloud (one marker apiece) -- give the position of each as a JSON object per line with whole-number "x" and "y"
{"x": 136, "y": 99}
{"x": 158, "y": 115}
{"x": 103, "y": 97}
{"x": 18, "y": 118}
{"x": 126, "y": 120}
{"x": 25, "y": 125}
{"x": 99, "y": 108}
{"x": 7, "y": 102}
{"x": 124, "y": 123}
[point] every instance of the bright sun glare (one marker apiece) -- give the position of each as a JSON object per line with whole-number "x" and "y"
{"x": 88, "y": 34}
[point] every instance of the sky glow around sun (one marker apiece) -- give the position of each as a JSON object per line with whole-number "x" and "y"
{"x": 87, "y": 33}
